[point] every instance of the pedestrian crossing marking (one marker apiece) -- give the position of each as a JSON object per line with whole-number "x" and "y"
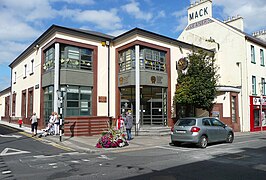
{"x": 13, "y": 152}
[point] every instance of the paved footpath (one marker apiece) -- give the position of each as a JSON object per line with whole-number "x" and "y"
{"x": 87, "y": 144}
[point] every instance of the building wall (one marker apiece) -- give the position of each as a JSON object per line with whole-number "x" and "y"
{"x": 2, "y": 103}
{"x": 233, "y": 57}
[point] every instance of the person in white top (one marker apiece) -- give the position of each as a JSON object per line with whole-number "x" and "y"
{"x": 56, "y": 123}
{"x": 34, "y": 124}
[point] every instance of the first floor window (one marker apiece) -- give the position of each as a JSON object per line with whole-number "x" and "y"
{"x": 254, "y": 85}
{"x": 78, "y": 101}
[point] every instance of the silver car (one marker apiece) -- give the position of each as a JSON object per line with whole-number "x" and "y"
{"x": 201, "y": 131}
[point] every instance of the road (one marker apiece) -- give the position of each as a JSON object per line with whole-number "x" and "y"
{"x": 34, "y": 158}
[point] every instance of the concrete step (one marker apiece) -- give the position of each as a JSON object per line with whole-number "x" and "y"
{"x": 154, "y": 131}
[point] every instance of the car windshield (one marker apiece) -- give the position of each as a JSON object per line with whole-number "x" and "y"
{"x": 186, "y": 122}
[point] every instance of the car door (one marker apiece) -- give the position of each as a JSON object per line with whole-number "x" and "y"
{"x": 220, "y": 132}
{"x": 210, "y": 130}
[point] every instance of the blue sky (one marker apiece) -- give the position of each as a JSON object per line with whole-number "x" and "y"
{"x": 23, "y": 21}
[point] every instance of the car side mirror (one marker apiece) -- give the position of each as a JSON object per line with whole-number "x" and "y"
{"x": 225, "y": 125}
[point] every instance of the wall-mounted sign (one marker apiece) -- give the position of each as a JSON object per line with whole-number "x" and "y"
{"x": 37, "y": 86}
{"x": 156, "y": 79}
{"x": 199, "y": 13}
{"x": 102, "y": 99}
{"x": 123, "y": 80}
{"x": 182, "y": 64}
{"x": 199, "y": 23}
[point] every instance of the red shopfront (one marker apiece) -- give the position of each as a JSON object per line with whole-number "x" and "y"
{"x": 255, "y": 112}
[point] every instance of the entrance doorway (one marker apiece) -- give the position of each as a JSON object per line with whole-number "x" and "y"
{"x": 153, "y": 104}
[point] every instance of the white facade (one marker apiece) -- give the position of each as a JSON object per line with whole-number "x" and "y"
{"x": 233, "y": 57}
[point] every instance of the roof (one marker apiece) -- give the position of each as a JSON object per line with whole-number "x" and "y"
{"x": 157, "y": 37}
{"x": 55, "y": 28}
{"x": 5, "y": 90}
{"x": 247, "y": 36}
{"x": 101, "y": 37}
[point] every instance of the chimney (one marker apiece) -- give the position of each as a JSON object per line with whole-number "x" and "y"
{"x": 236, "y": 22}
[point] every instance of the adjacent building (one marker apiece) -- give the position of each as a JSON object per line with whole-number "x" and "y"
{"x": 240, "y": 57}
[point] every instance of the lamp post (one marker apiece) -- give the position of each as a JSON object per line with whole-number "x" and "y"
{"x": 261, "y": 103}
{"x": 61, "y": 94}
{"x": 107, "y": 44}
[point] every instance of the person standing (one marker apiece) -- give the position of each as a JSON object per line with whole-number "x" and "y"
{"x": 129, "y": 125}
{"x": 34, "y": 124}
{"x": 120, "y": 123}
{"x": 56, "y": 123}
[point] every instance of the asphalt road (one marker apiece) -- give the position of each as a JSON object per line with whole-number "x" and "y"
{"x": 34, "y": 158}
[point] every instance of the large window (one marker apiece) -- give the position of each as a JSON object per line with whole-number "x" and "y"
{"x": 149, "y": 59}
{"x": 253, "y": 60}
{"x": 76, "y": 58}
{"x": 49, "y": 59}
{"x": 78, "y": 100}
{"x": 48, "y": 102}
{"x": 254, "y": 85}
{"x": 262, "y": 57}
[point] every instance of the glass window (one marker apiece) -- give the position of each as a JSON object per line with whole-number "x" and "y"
{"x": 216, "y": 122}
{"x": 206, "y": 122}
{"x": 32, "y": 66}
{"x": 78, "y": 101}
{"x": 261, "y": 57}
{"x": 48, "y": 102}
{"x": 186, "y": 122}
{"x": 76, "y": 58}
{"x": 253, "y": 60}
{"x": 25, "y": 71}
{"x": 254, "y": 85}
{"x": 233, "y": 109}
{"x": 49, "y": 59}
{"x": 262, "y": 86}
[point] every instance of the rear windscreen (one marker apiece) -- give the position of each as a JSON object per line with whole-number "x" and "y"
{"x": 186, "y": 122}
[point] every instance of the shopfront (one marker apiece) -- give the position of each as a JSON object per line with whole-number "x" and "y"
{"x": 152, "y": 85}
{"x": 257, "y": 113}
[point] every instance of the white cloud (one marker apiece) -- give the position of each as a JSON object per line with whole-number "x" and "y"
{"x": 117, "y": 32}
{"x": 80, "y": 2}
{"x": 182, "y": 21}
{"x": 9, "y": 50}
{"x": 253, "y": 12}
{"x": 133, "y": 9}
{"x": 101, "y": 18}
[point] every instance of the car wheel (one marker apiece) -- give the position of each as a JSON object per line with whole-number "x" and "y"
{"x": 230, "y": 138}
{"x": 203, "y": 142}
{"x": 176, "y": 143}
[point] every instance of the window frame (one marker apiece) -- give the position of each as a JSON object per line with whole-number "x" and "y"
{"x": 262, "y": 63}
{"x": 25, "y": 71}
{"x": 253, "y": 81}
{"x": 253, "y": 57}
{"x": 32, "y": 67}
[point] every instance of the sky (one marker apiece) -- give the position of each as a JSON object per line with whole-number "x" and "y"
{"x": 23, "y": 21}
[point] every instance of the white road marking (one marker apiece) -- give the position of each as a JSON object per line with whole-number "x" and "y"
{"x": 75, "y": 162}
{"x": 85, "y": 160}
{"x": 6, "y": 172}
{"x": 175, "y": 149}
{"x": 104, "y": 157}
{"x": 10, "y": 136}
{"x": 52, "y": 164}
{"x": 15, "y": 151}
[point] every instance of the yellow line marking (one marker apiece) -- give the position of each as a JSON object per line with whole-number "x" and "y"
{"x": 50, "y": 142}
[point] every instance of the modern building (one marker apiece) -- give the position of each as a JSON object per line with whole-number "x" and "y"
{"x": 241, "y": 102}
{"x": 92, "y": 75}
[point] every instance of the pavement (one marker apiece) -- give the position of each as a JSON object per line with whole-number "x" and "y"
{"x": 87, "y": 143}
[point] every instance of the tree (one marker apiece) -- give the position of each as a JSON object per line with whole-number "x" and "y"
{"x": 196, "y": 87}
